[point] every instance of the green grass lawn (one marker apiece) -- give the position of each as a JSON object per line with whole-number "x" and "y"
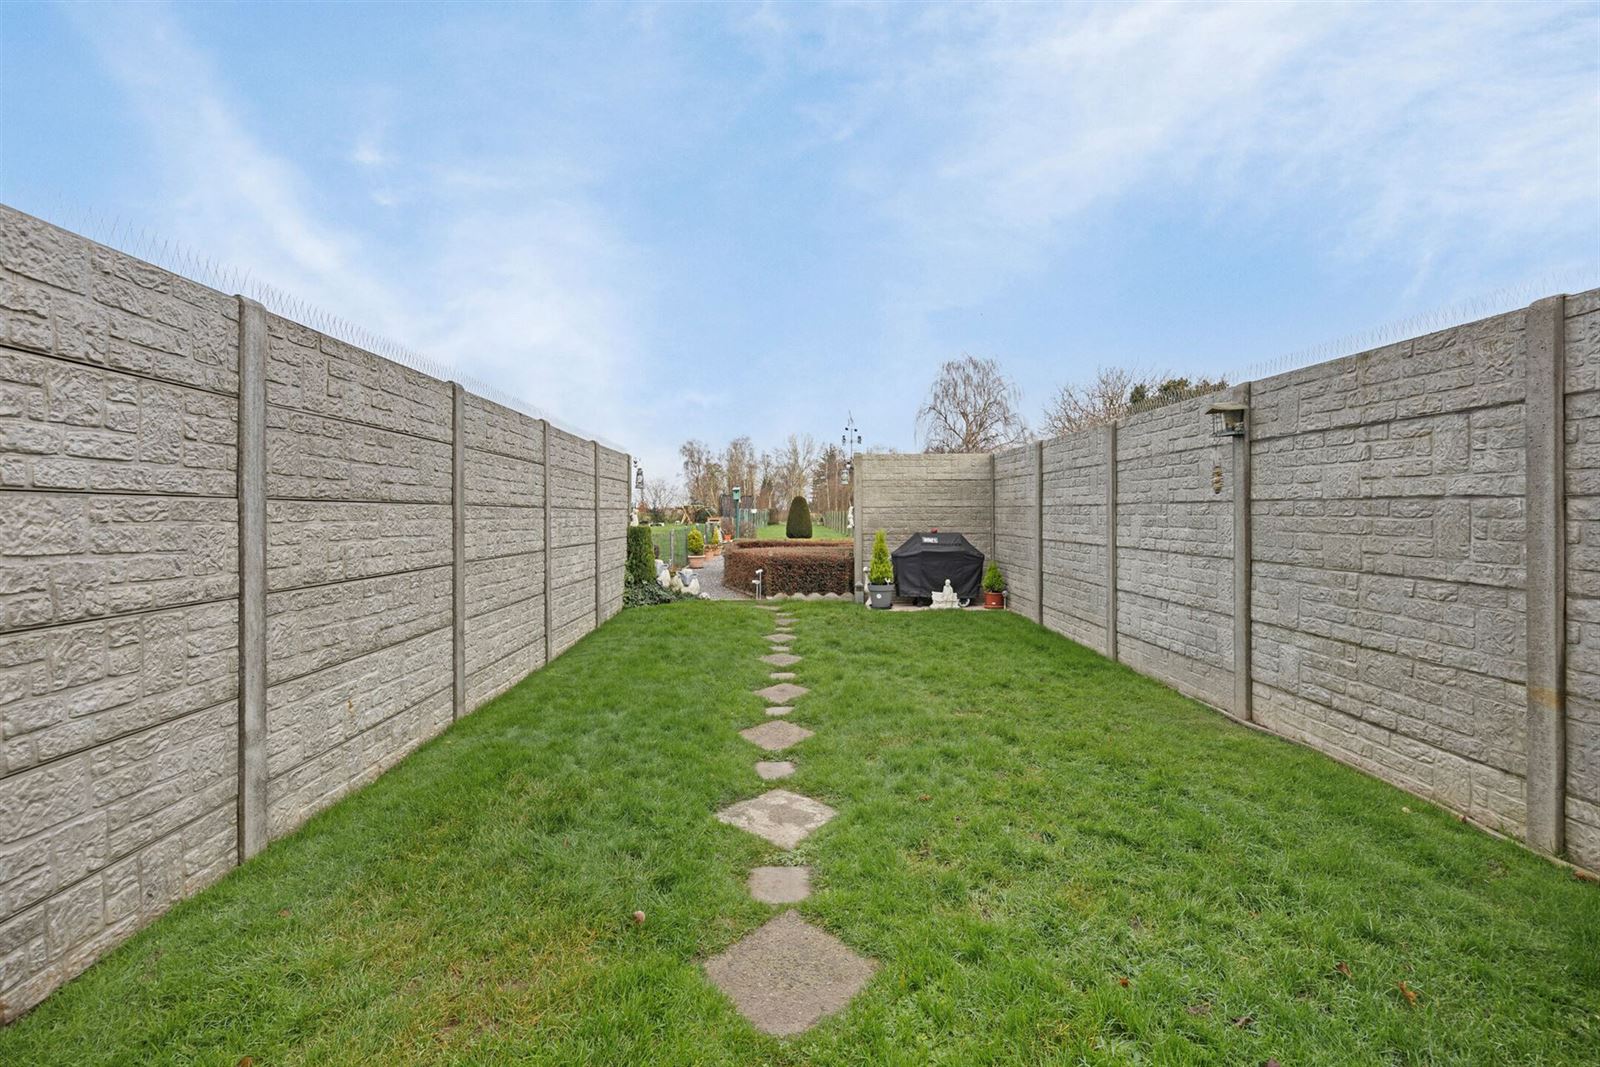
{"x": 777, "y": 532}
{"x": 1053, "y": 859}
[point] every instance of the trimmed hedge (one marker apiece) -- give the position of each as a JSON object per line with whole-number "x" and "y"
{"x": 641, "y": 566}
{"x": 799, "y": 523}
{"x": 791, "y": 566}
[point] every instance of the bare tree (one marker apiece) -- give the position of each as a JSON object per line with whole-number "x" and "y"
{"x": 1115, "y": 392}
{"x": 794, "y": 467}
{"x": 702, "y": 473}
{"x": 972, "y": 407}
{"x": 739, "y": 465}
{"x": 659, "y": 495}
{"x": 1100, "y": 400}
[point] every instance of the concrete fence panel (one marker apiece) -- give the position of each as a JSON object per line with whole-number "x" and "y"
{"x": 247, "y": 567}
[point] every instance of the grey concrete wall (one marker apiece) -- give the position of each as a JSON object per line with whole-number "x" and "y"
{"x": 1016, "y": 526}
{"x": 1074, "y": 549}
{"x": 902, "y": 494}
{"x": 123, "y": 784}
{"x": 1391, "y": 570}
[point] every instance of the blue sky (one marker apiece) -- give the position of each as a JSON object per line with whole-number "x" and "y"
{"x": 670, "y": 221}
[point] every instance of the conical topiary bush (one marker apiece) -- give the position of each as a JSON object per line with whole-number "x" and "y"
{"x": 799, "y": 519}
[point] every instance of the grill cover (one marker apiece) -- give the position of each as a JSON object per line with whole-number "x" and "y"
{"x": 926, "y": 559}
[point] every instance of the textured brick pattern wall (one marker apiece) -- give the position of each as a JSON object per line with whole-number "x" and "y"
{"x": 1583, "y": 577}
{"x": 1075, "y": 537}
{"x": 1016, "y": 521}
{"x": 118, "y": 573}
{"x": 1387, "y": 603}
{"x": 120, "y": 582}
{"x": 358, "y": 666}
{"x": 905, "y": 494}
{"x": 1175, "y": 550}
{"x": 505, "y": 547}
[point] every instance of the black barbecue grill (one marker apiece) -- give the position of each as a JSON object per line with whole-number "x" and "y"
{"x": 922, "y": 564}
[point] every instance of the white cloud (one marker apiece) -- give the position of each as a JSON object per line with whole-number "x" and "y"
{"x": 532, "y": 295}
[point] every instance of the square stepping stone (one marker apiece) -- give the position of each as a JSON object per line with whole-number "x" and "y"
{"x": 788, "y": 975}
{"x": 779, "y": 816}
{"x": 780, "y": 885}
{"x": 769, "y": 770}
{"x": 780, "y": 639}
{"x": 781, "y": 659}
{"x": 779, "y": 709}
{"x": 775, "y": 735}
{"x": 782, "y": 693}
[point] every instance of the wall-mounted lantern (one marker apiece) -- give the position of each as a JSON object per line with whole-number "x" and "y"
{"x": 1227, "y": 420}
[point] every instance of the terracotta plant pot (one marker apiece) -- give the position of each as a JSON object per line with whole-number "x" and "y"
{"x": 696, "y": 562}
{"x": 994, "y": 600}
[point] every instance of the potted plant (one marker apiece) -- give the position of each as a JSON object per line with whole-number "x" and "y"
{"x": 880, "y": 575}
{"x": 697, "y": 548}
{"x": 994, "y": 586}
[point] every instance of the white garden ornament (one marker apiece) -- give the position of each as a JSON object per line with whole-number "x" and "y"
{"x": 946, "y": 597}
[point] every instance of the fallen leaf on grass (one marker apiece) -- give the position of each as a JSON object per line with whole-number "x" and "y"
{"x": 245, "y": 1061}
{"x": 925, "y": 798}
{"x": 1407, "y": 992}
{"x": 1242, "y": 1021}
{"x": 1123, "y": 982}
{"x": 1271, "y": 1063}
{"x": 1343, "y": 968}
{"x": 284, "y": 913}
{"x": 1202, "y": 1008}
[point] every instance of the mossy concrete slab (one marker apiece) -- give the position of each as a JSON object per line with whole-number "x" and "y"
{"x": 780, "y": 885}
{"x": 770, "y": 770}
{"x": 782, "y": 693}
{"x": 788, "y": 975}
{"x": 779, "y": 816}
{"x": 775, "y": 735}
{"x": 781, "y": 659}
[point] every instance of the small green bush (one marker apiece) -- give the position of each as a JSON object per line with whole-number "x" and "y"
{"x": 641, "y": 565}
{"x": 697, "y": 541}
{"x": 993, "y": 580}
{"x": 641, "y": 594}
{"x": 799, "y": 526}
{"x": 881, "y": 572}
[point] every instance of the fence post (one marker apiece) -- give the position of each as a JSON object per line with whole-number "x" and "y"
{"x": 549, "y": 582}
{"x": 1545, "y": 447}
{"x": 1242, "y": 689}
{"x": 458, "y": 557}
{"x": 597, "y": 618}
{"x": 252, "y": 827}
{"x": 1038, "y": 532}
{"x": 1111, "y": 540}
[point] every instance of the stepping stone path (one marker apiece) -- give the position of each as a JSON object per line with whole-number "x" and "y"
{"x": 775, "y": 735}
{"x": 782, "y": 693}
{"x": 788, "y": 975}
{"x": 782, "y": 817}
{"x": 780, "y": 885}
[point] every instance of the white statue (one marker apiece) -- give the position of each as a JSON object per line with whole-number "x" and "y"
{"x": 693, "y": 588}
{"x": 663, "y": 578}
{"x": 946, "y": 597}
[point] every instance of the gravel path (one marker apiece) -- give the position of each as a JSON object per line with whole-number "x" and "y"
{"x": 711, "y": 582}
